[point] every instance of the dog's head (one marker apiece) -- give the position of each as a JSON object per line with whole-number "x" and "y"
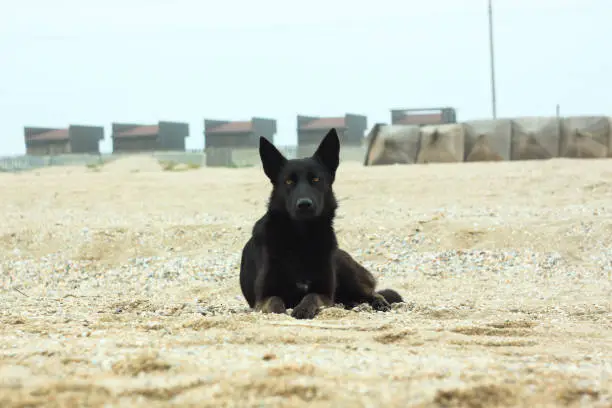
{"x": 302, "y": 187}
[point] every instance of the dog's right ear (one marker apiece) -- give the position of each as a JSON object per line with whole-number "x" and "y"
{"x": 272, "y": 160}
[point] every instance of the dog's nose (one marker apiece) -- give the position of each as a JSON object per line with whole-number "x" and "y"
{"x": 304, "y": 204}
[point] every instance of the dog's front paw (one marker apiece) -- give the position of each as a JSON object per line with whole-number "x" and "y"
{"x": 380, "y": 304}
{"x": 272, "y": 304}
{"x": 305, "y": 310}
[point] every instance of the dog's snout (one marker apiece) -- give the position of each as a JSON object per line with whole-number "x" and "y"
{"x": 304, "y": 204}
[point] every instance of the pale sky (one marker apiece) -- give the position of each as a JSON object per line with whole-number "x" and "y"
{"x": 69, "y": 61}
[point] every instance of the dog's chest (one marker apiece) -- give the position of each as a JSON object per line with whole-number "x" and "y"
{"x": 303, "y": 260}
{"x": 302, "y": 270}
{"x": 303, "y": 285}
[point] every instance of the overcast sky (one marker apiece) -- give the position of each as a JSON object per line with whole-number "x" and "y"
{"x": 85, "y": 62}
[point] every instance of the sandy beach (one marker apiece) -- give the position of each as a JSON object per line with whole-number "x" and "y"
{"x": 120, "y": 288}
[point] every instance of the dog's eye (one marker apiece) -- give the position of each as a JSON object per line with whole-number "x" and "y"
{"x": 315, "y": 179}
{"x": 288, "y": 181}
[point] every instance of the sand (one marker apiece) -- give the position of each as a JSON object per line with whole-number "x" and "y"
{"x": 120, "y": 288}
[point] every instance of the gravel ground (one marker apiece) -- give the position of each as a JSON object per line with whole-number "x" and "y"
{"x": 120, "y": 288}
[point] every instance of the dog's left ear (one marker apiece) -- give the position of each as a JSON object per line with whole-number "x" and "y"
{"x": 328, "y": 152}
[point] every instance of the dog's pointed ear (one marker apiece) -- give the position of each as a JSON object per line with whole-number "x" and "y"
{"x": 271, "y": 158}
{"x": 328, "y": 152}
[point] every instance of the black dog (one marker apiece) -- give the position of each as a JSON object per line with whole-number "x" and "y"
{"x": 292, "y": 259}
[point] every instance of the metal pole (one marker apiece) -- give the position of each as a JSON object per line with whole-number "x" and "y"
{"x": 492, "y": 56}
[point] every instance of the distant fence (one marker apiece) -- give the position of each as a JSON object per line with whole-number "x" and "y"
{"x": 211, "y": 157}
{"x": 26, "y": 162}
{"x": 224, "y": 157}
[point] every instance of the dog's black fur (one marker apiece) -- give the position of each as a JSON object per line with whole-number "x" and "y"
{"x": 292, "y": 259}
